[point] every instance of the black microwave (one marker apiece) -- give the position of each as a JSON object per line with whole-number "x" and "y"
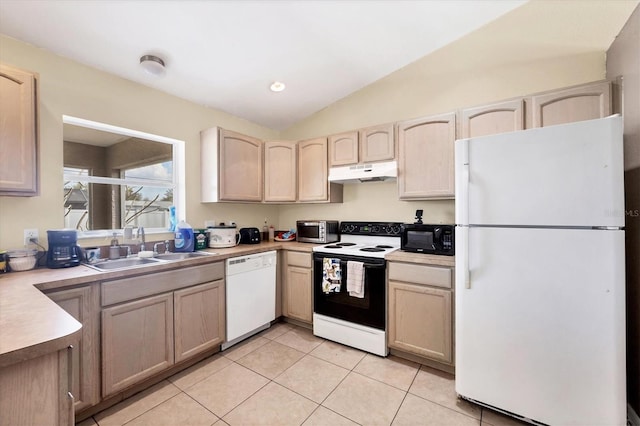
{"x": 429, "y": 239}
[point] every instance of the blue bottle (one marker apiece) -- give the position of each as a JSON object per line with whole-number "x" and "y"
{"x": 184, "y": 240}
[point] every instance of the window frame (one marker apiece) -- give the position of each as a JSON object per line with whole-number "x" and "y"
{"x": 178, "y": 160}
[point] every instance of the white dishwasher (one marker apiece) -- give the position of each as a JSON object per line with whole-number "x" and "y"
{"x": 250, "y": 294}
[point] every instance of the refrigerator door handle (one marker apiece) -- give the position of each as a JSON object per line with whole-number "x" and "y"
{"x": 465, "y": 256}
{"x": 464, "y": 181}
{"x": 464, "y": 209}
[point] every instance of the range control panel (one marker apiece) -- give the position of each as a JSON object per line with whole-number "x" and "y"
{"x": 392, "y": 229}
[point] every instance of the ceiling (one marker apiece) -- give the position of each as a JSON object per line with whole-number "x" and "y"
{"x": 226, "y": 54}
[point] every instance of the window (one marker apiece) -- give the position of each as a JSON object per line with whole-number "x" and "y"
{"x": 116, "y": 177}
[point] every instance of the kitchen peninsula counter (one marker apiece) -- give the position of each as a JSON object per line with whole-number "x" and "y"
{"x": 32, "y": 325}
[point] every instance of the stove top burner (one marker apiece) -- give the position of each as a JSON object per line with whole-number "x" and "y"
{"x": 335, "y": 246}
{"x": 384, "y": 246}
{"x": 346, "y": 244}
{"x": 372, "y": 249}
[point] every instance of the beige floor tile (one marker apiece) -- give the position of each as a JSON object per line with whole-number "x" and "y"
{"x": 272, "y": 405}
{"x": 439, "y": 387}
{"x": 179, "y": 410}
{"x": 271, "y": 359}
{"x": 138, "y": 404}
{"x": 364, "y": 400}
{"x": 312, "y": 377}
{"x": 418, "y": 411}
{"x": 392, "y": 370}
{"x": 199, "y": 371}
{"x": 301, "y": 339}
{"x": 223, "y": 391}
{"x": 236, "y": 352}
{"x": 338, "y": 354}
{"x": 325, "y": 417}
{"x": 87, "y": 422}
{"x": 276, "y": 330}
{"x": 493, "y": 418}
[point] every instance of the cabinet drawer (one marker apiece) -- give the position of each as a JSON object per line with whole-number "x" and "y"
{"x": 295, "y": 258}
{"x": 117, "y": 291}
{"x": 420, "y": 274}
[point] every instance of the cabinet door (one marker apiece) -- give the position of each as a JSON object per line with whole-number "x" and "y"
{"x": 280, "y": 171}
{"x": 425, "y": 152}
{"x": 83, "y": 304}
{"x": 580, "y": 103}
{"x": 343, "y": 149}
{"x": 298, "y": 293}
{"x": 137, "y": 341}
{"x": 36, "y": 391}
{"x": 240, "y": 167}
{"x": 18, "y": 132}
{"x": 492, "y": 119}
{"x": 312, "y": 170}
{"x": 377, "y": 144}
{"x": 199, "y": 318}
{"x": 420, "y": 320}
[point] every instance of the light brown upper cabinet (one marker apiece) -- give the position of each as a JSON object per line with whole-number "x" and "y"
{"x": 362, "y": 146}
{"x": 585, "y": 102}
{"x": 343, "y": 149}
{"x": 425, "y": 157}
{"x": 280, "y": 171}
{"x": 491, "y": 119}
{"x": 231, "y": 166}
{"x": 313, "y": 173}
{"x": 377, "y": 143}
{"x": 18, "y": 132}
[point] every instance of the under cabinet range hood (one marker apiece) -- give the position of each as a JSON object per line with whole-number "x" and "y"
{"x": 372, "y": 172}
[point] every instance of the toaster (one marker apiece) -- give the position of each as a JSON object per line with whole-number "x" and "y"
{"x": 249, "y": 236}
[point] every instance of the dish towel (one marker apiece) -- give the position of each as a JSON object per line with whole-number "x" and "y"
{"x": 331, "y": 275}
{"x": 355, "y": 279}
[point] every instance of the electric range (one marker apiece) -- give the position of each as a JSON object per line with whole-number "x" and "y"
{"x": 356, "y": 319}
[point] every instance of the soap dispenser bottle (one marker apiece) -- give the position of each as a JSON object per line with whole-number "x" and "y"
{"x": 114, "y": 249}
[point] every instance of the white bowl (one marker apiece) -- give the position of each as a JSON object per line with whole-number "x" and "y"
{"x": 146, "y": 253}
{"x": 22, "y": 260}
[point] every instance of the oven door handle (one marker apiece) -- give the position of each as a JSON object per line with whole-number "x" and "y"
{"x": 343, "y": 265}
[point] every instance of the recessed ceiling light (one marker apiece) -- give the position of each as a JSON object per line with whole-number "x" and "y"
{"x": 152, "y": 64}
{"x": 277, "y": 86}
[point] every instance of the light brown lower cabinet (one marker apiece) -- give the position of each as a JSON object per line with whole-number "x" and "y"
{"x": 199, "y": 318}
{"x": 137, "y": 341}
{"x": 83, "y": 304}
{"x": 150, "y": 322}
{"x": 298, "y": 287}
{"x": 37, "y": 391}
{"x": 420, "y": 308}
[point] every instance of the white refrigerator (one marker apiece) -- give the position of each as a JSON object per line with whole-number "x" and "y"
{"x": 540, "y": 304}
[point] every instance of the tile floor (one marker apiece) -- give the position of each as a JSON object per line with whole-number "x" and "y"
{"x": 287, "y": 376}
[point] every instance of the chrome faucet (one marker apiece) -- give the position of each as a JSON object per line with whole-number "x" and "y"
{"x": 141, "y": 235}
{"x": 155, "y": 247}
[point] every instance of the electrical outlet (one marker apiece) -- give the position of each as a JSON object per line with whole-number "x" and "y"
{"x": 30, "y": 235}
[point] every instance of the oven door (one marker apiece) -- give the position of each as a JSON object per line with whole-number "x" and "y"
{"x": 368, "y": 311}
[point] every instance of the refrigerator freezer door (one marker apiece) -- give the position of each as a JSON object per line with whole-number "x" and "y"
{"x": 541, "y": 330}
{"x": 567, "y": 175}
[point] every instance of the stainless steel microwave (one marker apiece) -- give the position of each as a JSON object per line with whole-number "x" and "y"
{"x": 430, "y": 239}
{"x": 317, "y": 231}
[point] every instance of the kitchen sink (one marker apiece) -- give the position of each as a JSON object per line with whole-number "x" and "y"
{"x": 129, "y": 262}
{"x": 133, "y": 262}
{"x": 182, "y": 256}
